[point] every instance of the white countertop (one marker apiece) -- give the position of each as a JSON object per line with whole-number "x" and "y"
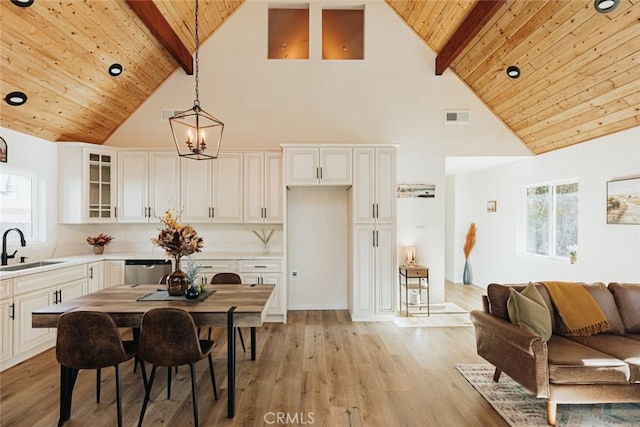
{"x": 108, "y": 256}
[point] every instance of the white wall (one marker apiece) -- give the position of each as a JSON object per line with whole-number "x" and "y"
{"x": 317, "y": 227}
{"x": 227, "y": 238}
{"x": 391, "y": 97}
{"x": 606, "y": 252}
{"x": 35, "y": 155}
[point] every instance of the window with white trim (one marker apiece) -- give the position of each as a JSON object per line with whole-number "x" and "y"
{"x": 18, "y": 193}
{"x": 551, "y": 219}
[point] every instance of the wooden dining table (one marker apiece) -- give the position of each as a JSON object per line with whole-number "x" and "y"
{"x": 228, "y": 306}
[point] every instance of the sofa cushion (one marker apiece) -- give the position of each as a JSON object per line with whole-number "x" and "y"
{"x": 604, "y": 298}
{"x": 528, "y": 310}
{"x": 498, "y": 294}
{"x": 573, "y": 363}
{"x": 627, "y": 297}
{"x": 625, "y": 349}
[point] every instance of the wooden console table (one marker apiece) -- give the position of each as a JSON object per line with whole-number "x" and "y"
{"x": 414, "y": 272}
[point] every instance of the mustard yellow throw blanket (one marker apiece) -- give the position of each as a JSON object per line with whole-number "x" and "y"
{"x": 580, "y": 313}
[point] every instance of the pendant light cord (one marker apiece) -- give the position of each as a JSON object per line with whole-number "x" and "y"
{"x": 197, "y": 101}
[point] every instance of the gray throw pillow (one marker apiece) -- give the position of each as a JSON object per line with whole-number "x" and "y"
{"x": 528, "y": 310}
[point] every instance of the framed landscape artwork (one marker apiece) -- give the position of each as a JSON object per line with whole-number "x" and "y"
{"x": 416, "y": 190}
{"x": 623, "y": 201}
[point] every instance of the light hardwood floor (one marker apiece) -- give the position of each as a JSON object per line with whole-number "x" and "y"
{"x": 319, "y": 369}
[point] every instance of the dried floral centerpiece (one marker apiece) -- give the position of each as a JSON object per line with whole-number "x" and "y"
{"x": 99, "y": 242}
{"x": 177, "y": 240}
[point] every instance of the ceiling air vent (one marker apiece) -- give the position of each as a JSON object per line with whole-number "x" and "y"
{"x": 458, "y": 117}
{"x": 166, "y": 114}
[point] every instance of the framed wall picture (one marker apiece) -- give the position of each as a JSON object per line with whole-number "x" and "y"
{"x": 3, "y": 150}
{"x": 492, "y": 206}
{"x": 424, "y": 191}
{"x": 623, "y": 201}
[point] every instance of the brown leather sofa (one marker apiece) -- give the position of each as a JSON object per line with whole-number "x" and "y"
{"x": 601, "y": 368}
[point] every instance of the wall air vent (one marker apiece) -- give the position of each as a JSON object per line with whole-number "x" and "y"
{"x": 166, "y": 114}
{"x": 457, "y": 117}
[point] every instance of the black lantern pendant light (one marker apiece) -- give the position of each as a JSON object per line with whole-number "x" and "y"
{"x": 194, "y": 128}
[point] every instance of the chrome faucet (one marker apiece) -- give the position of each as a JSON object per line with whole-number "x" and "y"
{"x": 5, "y": 256}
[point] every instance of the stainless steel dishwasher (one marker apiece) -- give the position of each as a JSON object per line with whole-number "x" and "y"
{"x": 145, "y": 271}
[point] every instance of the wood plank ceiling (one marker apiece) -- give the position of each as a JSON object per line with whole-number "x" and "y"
{"x": 580, "y": 69}
{"x": 58, "y": 53}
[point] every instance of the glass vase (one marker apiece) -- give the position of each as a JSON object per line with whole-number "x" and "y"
{"x": 466, "y": 274}
{"x": 178, "y": 281}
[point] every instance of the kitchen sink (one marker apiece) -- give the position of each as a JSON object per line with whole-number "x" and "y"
{"x": 18, "y": 267}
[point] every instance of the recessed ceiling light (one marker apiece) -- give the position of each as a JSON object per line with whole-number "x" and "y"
{"x": 115, "y": 69}
{"x": 16, "y": 98}
{"x": 513, "y": 72}
{"x": 605, "y": 6}
{"x": 22, "y": 3}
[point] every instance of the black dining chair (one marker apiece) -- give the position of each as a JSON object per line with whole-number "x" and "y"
{"x": 91, "y": 340}
{"x": 168, "y": 337}
{"x": 228, "y": 279}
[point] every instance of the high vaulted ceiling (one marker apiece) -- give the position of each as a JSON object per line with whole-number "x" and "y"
{"x": 580, "y": 69}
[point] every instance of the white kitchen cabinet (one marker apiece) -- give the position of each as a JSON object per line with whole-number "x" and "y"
{"x": 25, "y": 337}
{"x": 6, "y": 329}
{"x": 374, "y": 275}
{"x": 7, "y": 314}
{"x": 374, "y": 185}
{"x": 212, "y": 190}
{"x": 86, "y": 184}
{"x": 29, "y": 341}
{"x": 328, "y": 166}
{"x": 263, "y": 189}
{"x": 33, "y": 292}
{"x": 261, "y": 272}
{"x": 372, "y": 291}
{"x": 95, "y": 276}
{"x": 211, "y": 267}
{"x": 113, "y": 273}
{"x": 148, "y": 185}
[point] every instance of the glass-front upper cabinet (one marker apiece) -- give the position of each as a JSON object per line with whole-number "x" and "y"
{"x": 87, "y": 184}
{"x": 101, "y": 202}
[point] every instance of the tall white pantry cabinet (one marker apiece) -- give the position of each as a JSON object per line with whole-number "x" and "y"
{"x": 372, "y": 294}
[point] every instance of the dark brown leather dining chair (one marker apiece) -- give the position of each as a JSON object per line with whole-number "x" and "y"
{"x": 91, "y": 340}
{"x": 168, "y": 337}
{"x": 228, "y": 279}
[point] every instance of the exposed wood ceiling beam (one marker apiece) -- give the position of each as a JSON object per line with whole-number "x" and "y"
{"x": 148, "y": 12}
{"x": 482, "y": 11}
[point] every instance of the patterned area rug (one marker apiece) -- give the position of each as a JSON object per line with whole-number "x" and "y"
{"x": 520, "y": 408}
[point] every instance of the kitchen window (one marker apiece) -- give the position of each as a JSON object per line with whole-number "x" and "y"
{"x": 551, "y": 222}
{"x": 18, "y": 193}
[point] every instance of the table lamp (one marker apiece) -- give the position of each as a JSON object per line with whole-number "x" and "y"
{"x": 409, "y": 255}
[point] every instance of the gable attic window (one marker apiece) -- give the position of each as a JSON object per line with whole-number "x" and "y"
{"x": 289, "y": 33}
{"x": 343, "y": 34}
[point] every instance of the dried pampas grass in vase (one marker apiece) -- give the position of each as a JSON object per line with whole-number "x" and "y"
{"x": 469, "y": 243}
